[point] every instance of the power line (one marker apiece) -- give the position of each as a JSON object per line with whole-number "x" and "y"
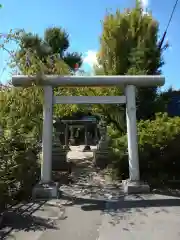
{"x": 169, "y": 22}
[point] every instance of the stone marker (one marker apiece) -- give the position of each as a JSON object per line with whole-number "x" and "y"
{"x": 59, "y": 155}
{"x": 101, "y": 155}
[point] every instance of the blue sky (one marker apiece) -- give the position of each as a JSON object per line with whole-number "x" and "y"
{"x": 82, "y": 20}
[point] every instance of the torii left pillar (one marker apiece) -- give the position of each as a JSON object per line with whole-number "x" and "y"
{"x": 46, "y": 165}
{"x": 47, "y": 188}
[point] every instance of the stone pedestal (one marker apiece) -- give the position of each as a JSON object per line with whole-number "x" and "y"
{"x": 87, "y": 148}
{"x": 71, "y": 139}
{"x": 59, "y": 161}
{"x": 66, "y": 147}
{"x": 101, "y": 155}
{"x": 45, "y": 190}
{"x": 135, "y": 187}
{"x": 101, "y": 158}
{"x": 59, "y": 156}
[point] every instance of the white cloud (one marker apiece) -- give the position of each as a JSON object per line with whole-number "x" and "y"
{"x": 90, "y": 58}
{"x": 144, "y": 4}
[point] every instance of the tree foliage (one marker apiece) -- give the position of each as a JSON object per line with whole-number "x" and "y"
{"x": 21, "y": 111}
{"x": 129, "y": 46}
{"x": 48, "y": 55}
{"x": 22, "y": 107}
{"x": 158, "y": 149}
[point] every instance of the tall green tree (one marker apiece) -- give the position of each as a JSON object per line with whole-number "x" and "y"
{"x": 49, "y": 54}
{"x": 129, "y": 45}
{"x": 21, "y": 108}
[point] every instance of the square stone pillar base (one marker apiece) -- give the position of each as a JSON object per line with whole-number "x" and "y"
{"x": 131, "y": 187}
{"x": 46, "y": 190}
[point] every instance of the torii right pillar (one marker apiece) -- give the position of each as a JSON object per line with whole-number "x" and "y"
{"x": 133, "y": 184}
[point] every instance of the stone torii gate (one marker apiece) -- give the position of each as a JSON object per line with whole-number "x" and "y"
{"x": 129, "y": 83}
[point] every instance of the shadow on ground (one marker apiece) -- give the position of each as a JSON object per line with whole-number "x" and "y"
{"x": 102, "y": 205}
{"x": 125, "y": 209}
{"x": 22, "y": 219}
{"x": 168, "y": 192}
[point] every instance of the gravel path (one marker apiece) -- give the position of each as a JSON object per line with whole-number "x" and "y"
{"x": 87, "y": 181}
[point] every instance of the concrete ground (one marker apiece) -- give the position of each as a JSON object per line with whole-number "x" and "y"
{"x": 133, "y": 217}
{"x": 82, "y": 214}
{"x": 142, "y": 217}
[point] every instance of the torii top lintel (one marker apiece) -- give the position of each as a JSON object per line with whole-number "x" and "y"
{"x": 93, "y": 81}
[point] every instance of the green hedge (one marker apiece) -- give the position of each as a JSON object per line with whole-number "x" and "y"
{"x": 19, "y": 167}
{"x": 159, "y": 150}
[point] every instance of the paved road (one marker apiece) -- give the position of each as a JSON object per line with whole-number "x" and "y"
{"x": 133, "y": 217}
{"x": 143, "y": 217}
{"x": 95, "y": 213}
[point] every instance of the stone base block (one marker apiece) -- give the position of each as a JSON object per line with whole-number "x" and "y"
{"x": 101, "y": 158}
{"x": 46, "y": 191}
{"x": 60, "y": 166}
{"x": 87, "y": 148}
{"x": 131, "y": 187}
{"x": 59, "y": 162}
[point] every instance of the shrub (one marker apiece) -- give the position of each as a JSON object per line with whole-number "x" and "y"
{"x": 159, "y": 150}
{"x": 19, "y": 168}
